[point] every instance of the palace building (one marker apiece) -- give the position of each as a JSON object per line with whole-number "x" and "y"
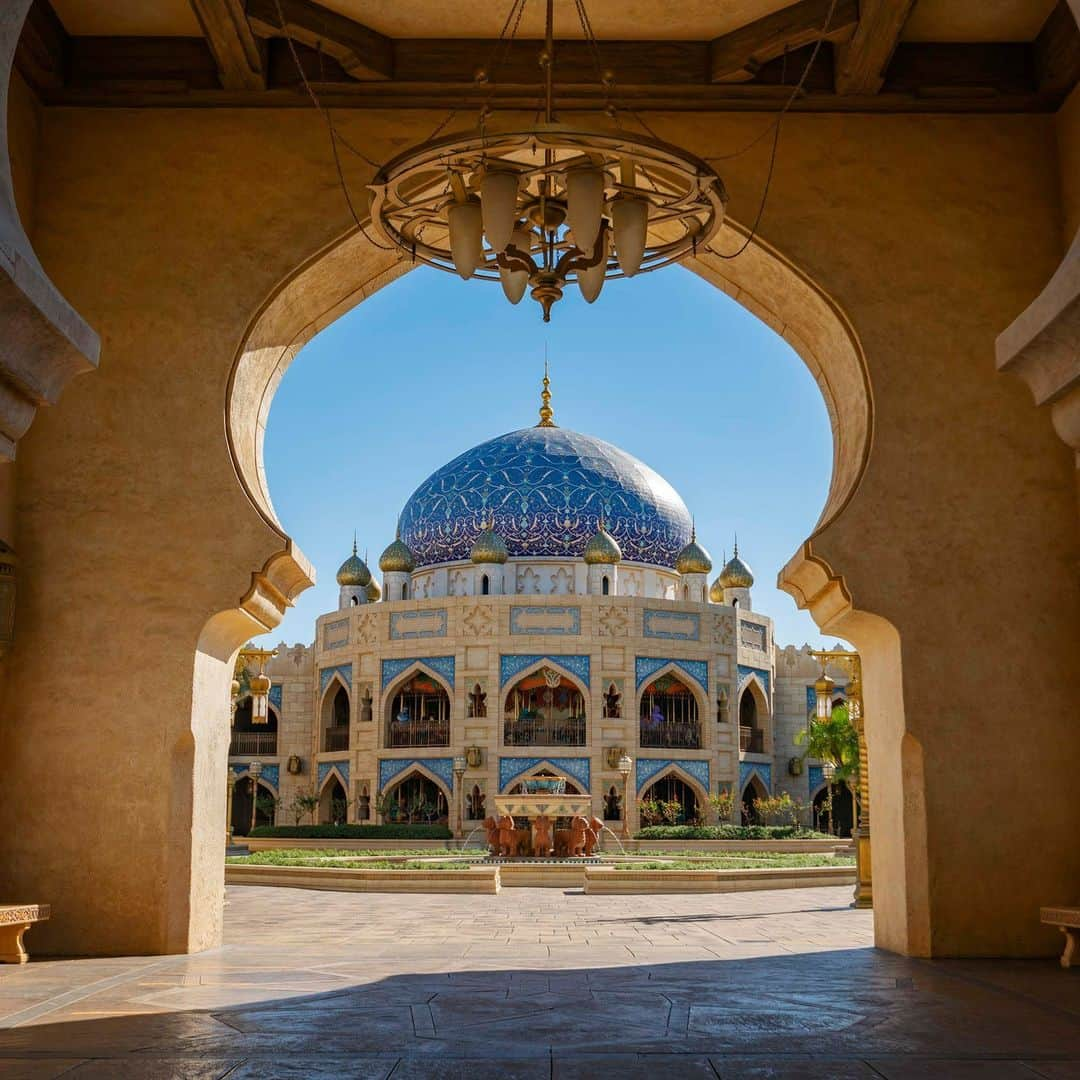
{"x": 546, "y": 607}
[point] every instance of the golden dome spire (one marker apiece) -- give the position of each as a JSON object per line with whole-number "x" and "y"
{"x": 546, "y": 412}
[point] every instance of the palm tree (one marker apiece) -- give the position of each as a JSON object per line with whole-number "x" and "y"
{"x": 834, "y": 740}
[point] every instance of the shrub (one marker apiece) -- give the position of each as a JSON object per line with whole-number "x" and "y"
{"x": 353, "y": 832}
{"x": 723, "y": 803}
{"x": 780, "y": 809}
{"x": 728, "y": 832}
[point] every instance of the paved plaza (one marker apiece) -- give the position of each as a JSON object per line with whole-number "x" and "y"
{"x": 537, "y": 983}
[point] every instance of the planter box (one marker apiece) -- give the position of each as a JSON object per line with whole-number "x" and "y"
{"x": 480, "y": 879}
{"x": 604, "y": 880}
{"x": 706, "y": 846}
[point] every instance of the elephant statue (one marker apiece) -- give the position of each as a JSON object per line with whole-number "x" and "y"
{"x": 543, "y": 841}
{"x": 508, "y": 841}
{"x": 579, "y": 831}
{"x": 592, "y": 836}
{"x": 491, "y": 831}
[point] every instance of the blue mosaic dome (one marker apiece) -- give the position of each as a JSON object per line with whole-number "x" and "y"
{"x": 546, "y": 489}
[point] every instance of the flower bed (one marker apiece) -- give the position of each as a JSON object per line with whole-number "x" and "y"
{"x": 729, "y": 832}
{"x": 353, "y": 832}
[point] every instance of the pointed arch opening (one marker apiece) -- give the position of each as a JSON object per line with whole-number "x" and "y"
{"x": 670, "y": 711}
{"x": 418, "y": 711}
{"x": 672, "y": 798}
{"x": 249, "y": 739}
{"x": 416, "y": 798}
{"x": 545, "y": 707}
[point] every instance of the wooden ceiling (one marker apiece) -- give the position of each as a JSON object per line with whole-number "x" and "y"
{"x": 878, "y": 56}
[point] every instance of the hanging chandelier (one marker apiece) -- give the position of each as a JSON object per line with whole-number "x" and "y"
{"x": 544, "y": 205}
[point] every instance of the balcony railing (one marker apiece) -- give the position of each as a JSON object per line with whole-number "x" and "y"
{"x": 673, "y": 734}
{"x": 335, "y": 738}
{"x": 253, "y": 743}
{"x": 751, "y": 740}
{"x": 539, "y": 731}
{"x": 418, "y": 733}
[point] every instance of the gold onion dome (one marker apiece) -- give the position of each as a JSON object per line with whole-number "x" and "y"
{"x": 602, "y": 547}
{"x": 397, "y": 558}
{"x": 353, "y": 571}
{"x": 693, "y": 559}
{"x": 736, "y": 574}
{"x": 490, "y": 547}
{"x": 373, "y": 591}
{"x": 716, "y": 592}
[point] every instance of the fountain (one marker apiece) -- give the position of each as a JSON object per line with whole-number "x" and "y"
{"x": 543, "y": 805}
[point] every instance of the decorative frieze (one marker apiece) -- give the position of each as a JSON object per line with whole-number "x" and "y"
{"x": 417, "y": 624}
{"x": 327, "y": 767}
{"x": 442, "y": 767}
{"x": 646, "y": 768}
{"x": 647, "y": 666}
{"x": 441, "y": 665}
{"x": 753, "y": 635}
{"x": 675, "y": 625}
{"x": 744, "y": 676}
{"x": 748, "y": 769}
{"x": 539, "y": 620}
{"x": 578, "y": 769}
{"x": 336, "y": 634}
{"x": 511, "y": 664}
{"x": 326, "y": 674}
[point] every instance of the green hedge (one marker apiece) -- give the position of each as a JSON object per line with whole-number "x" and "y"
{"x": 729, "y": 832}
{"x": 351, "y": 832}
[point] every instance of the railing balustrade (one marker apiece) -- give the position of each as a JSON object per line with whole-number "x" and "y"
{"x": 540, "y": 731}
{"x": 418, "y": 733}
{"x": 335, "y": 738}
{"x": 751, "y": 740}
{"x": 253, "y": 743}
{"x": 673, "y": 734}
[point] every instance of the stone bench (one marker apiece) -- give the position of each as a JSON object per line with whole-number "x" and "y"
{"x": 15, "y": 920}
{"x": 1067, "y": 919}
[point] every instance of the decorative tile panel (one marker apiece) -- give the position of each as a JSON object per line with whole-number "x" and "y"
{"x": 545, "y": 489}
{"x": 545, "y": 620}
{"x": 327, "y": 673}
{"x": 647, "y": 666}
{"x": 441, "y": 665}
{"x": 811, "y": 699}
{"x": 270, "y": 773}
{"x": 442, "y": 767}
{"x": 816, "y": 779}
{"x": 418, "y": 624}
{"x": 578, "y": 769}
{"x": 748, "y": 768}
{"x": 675, "y": 625}
{"x": 753, "y": 635}
{"x": 326, "y": 767}
{"x": 336, "y": 634}
{"x": 511, "y": 664}
{"x": 745, "y": 673}
{"x": 647, "y": 768}
{"x": 275, "y": 695}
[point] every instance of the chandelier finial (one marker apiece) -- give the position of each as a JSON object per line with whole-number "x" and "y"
{"x": 547, "y": 414}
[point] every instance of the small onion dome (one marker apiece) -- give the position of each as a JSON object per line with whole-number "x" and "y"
{"x": 716, "y": 593}
{"x": 354, "y": 571}
{"x": 693, "y": 559}
{"x": 736, "y": 574}
{"x": 490, "y": 547}
{"x": 602, "y": 548}
{"x": 373, "y": 591}
{"x": 397, "y": 558}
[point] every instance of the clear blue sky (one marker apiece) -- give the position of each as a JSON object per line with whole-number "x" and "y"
{"x": 665, "y": 366}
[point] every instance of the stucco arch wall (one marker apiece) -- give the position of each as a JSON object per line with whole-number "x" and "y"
{"x": 169, "y": 229}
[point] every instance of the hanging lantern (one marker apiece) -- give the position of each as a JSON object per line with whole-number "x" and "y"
{"x": 260, "y": 698}
{"x": 823, "y": 690}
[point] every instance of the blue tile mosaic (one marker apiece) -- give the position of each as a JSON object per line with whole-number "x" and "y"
{"x": 442, "y": 767}
{"x": 745, "y": 673}
{"x": 546, "y": 489}
{"x": 811, "y": 699}
{"x": 326, "y": 767}
{"x": 748, "y": 769}
{"x": 518, "y": 614}
{"x": 645, "y": 667}
{"x": 577, "y": 769}
{"x": 511, "y": 664}
{"x": 403, "y": 624}
{"x": 691, "y": 624}
{"x": 816, "y": 779}
{"x": 275, "y": 695}
{"x": 647, "y": 768}
{"x": 327, "y": 673}
{"x": 441, "y": 665}
{"x": 270, "y": 773}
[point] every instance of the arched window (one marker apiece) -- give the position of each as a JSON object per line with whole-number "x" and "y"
{"x": 419, "y": 714}
{"x": 605, "y": 585}
{"x": 686, "y": 592}
{"x": 354, "y": 601}
{"x": 544, "y": 709}
{"x": 333, "y": 804}
{"x": 485, "y": 585}
{"x": 669, "y": 715}
{"x": 753, "y": 791}
{"x": 336, "y": 733}
{"x": 241, "y": 806}
{"x": 415, "y": 800}
{"x": 735, "y": 602}
{"x": 751, "y": 736}
{"x": 250, "y": 739}
{"x": 670, "y": 801}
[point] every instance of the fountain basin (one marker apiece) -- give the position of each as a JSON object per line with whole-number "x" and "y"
{"x": 543, "y": 805}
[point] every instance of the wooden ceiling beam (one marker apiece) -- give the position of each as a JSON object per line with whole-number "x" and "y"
{"x": 1057, "y": 52}
{"x": 739, "y": 55}
{"x": 861, "y": 63}
{"x": 238, "y": 53}
{"x": 362, "y": 53}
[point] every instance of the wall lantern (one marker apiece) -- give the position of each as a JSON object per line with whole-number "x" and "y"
{"x": 474, "y": 755}
{"x": 795, "y": 766}
{"x": 823, "y": 690}
{"x": 294, "y": 766}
